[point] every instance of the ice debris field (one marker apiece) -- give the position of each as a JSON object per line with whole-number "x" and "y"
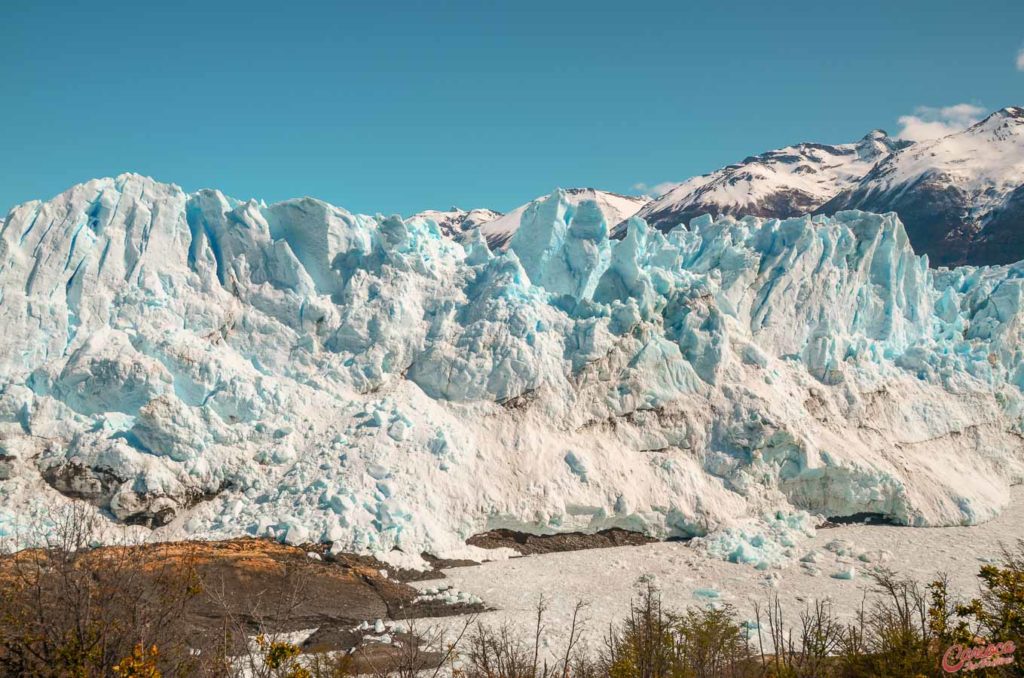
{"x": 835, "y": 567}
{"x": 202, "y": 366}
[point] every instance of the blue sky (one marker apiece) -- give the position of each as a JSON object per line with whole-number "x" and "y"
{"x": 397, "y": 107}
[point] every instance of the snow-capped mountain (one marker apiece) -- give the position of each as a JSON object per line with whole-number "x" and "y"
{"x": 211, "y": 367}
{"x": 782, "y": 183}
{"x": 961, "y": 196}
{"x": 455, "y": 222}
{"x": 613, "y": 206}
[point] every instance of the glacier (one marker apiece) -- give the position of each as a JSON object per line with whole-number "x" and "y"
{"x": 202, "y": 366}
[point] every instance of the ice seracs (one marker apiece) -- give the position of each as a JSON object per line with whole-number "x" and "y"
{"x": 455, "y": 222}
{"x": 615, "y": 208}
{"x": 497, "y": 229}
{"x": 207, "y": 366}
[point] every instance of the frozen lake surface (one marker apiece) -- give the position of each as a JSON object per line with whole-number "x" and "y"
{"x": 606, "y": 578}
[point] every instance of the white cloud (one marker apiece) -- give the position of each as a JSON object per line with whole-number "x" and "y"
{"x": 1020, "y": 59}
{"x": 657, "y": 190}
{"x": 928, "y": 122}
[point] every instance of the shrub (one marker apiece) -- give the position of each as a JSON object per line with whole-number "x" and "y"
{"x": 655, "y": 643}
{"x": 68, "y": 609}
{"x": 997, "y": 615}
{"x": 499, "y": 652}
{"x": 808, "y": 655}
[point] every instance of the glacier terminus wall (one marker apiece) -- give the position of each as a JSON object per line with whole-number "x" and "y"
{"x": 203, "y": 366}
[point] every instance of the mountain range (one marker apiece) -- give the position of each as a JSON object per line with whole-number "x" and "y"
{"x": 782, "y": 183}
{"x": 961, "y": 197}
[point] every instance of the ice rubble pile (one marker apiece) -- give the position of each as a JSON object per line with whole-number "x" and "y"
{"x": 214, "y": 367}
{"x": 767, "y": 542}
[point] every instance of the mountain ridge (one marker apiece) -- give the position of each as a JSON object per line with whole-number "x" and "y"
{"x": 961, "y": 196}
{"x": 781, "y": 183}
